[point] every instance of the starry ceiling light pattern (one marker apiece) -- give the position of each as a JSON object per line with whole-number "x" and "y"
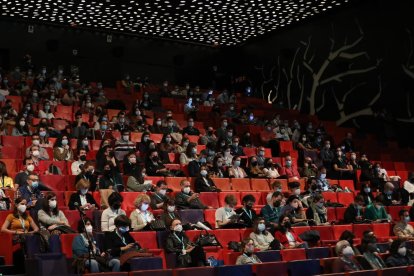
{"x": 211, "y": 22}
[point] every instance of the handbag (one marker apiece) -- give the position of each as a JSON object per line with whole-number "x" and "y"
{"x": 183, "y": 260}
{"x": 207, "y": 239}
{"x": 158, "y": 225}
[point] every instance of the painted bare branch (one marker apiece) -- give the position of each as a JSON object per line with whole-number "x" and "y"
{"x": 363, "y": 112}
{"x": 266, "y": 80}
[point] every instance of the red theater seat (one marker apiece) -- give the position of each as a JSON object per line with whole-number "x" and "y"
{"x": 223, "y": 184}
{"x": 210, "y": 217}
{"x": 174, "y": 183}
{"x": 66, "y": 244}
{"x": 345, "y": 198}
{"x": 260, "y": 184}
{"x": 147, "y": 239}
{"x": 224, "y": 236}
{"x": 241, "y": 184}
{"x": 338, "y": 229}
{"x": 129, "y": 199}
{"x": 330, "y": 196}
{"x": 210, "y": 199}
{"x": 359, "y": 229}
{"x": 293, "y": 254}
{"x": 257, "y": 196}
{"x": 222, "y": 195}
{"x": 55, "y": 182}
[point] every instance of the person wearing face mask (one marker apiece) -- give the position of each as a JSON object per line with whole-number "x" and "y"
{"x": 121, "y": 123}
{"x": 369, "y": 247}
{"x": 263, "y": 239}
{"x": 88, "y": 173}
{"x": 248, "y": 256}
{"x": 168, "y": 145}
{"x": 190, "y": 129}
{"x": 376, "y": 211}
{"x": 43, "y": 155}
{"x": 136, "y": 181}
{"x": 111, "y": 179}
{"x": 114, "y": 210}
{"x": 159, "y": 197}
{"x": 156, "y": 127}
{"x": 225, "y": 216}
{"x": 82, "y": 197}
{"x": 187, "y": 253}
{"x": 366, "y": 168}
{"x": 227, "y": 156}
{"x": 287, "y": 236}
{"x": 403, "y": 229}
{"x": 222, "y": 130}
{"x": 276, "y": 186}
{"x": 394, "y": 195}
{"x": 399, "y": 254}
{"x": 327, "y": 155}
{"x": 236, "y": 171}
{"x": 289, "y": 170}
{"x": 46, "y": 112}
{"x": 21, "y": 127}
{"x": 317, "y": 211}
{"x": 354, "y": 212}
{"x": 123, "y": 145}
{"x": 31, "y": 192}
{"x": 255, "y": 171}
{"x": 50, "y": 217}
{"x": 346, "y": 261}
{"x": 62, "y": 150}
{"x": 19, "y": 221}
{"x": 208, "y": 137}
{"x": 79, "y": 163}
{"x": 80, "y": 251}
{"x": 409, "y": 187}
{"x": 203, "y": 182}
{"x": 119, "y": 241}
{"x": 79, "y": 128}
{"x": 309, "y": 169}
{"x": 341, "y": 168}
{"x": 247, "y": 213}
{"x": 104, "y": 132}
{"x": 131, "y": 162}
{"x": 170, "y": 127}
{"x": 366, "y": 193}
{"x": 6, "y": 182}
{"x": 272, "y": 211}
{"x": 218, "y": 170}
{"x": 294, "y": 189}
{"x": 270, "y": 169}
{"x": 189, "y": 155}
{"x": 141, "y": 218}
{"x": 154, "y": 166}
{"x": 186, "y": 199}
{"x": 294, "y": 209}
{"x": 235, "y": 148}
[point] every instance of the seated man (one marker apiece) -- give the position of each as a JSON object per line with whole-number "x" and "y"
{"x": 247, "y": 214}
{"x": 376, "y": 211}
{"x": 402, "y": 229}
{"x": 186, "y": 199}
{"x": 159, "y": 198}
{"x": 190, "y": 129}
{"x": 123, "y": 146}
{"x": 30, "y": 192}
{"x": 354, "y": 213}
{"x": 272, "y": 211}
{"x": 341, "y": 168}
{"x": 394, "y": 196}
{"x": 289, "y": 170}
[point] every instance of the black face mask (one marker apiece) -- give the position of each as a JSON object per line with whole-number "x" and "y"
{"x": 249, "y": 207}
{"x": 155, "y": 158}
{"x": 287, "y": 225}
{"x": 116, "y": 205}
{"x": 277, "y": 203}
{"x": 107, "y": 172}
{"x": 82, "y": 158}
{"x": 254, "y": 163}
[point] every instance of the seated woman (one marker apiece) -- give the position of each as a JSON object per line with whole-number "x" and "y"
{"x": 50, "y": 217}
{"x": 317, "y": 211}
{"x": 235, "y": 171}
{"x": 187, "y": 253}
{"x": 287, "y": 236}
{"x": 346, "y": 261}
{"x": 254, "y": 170}
{"x": 170, "y": 213}
{"x": 111, "y": 178}
{"x": 203, "y": 183}
{"x": 248, "y": 256}
{"x": 84, "y": 199}
{"x": 369, "y": 247}
{"x": 399, "y": 255}
{"x": 263, "y": 239}
{"x": 136, "y": 181}
{"x": 349, "y": 237}
{"x": 376, "y": 211}
{"x": 80, "y": 251}
{"x": 366, "y": 193}
{"x": 295, "y": 211}
{"x": 19, "y": 222}
{"x": 62, "y": 150}
{"x": 6, "y": 182}
{"x": 119, "y": 241}
{"x": 141, "y": 218}
{"x": 189, "y": 155}
{"x": 114, "y": 210}
{"x": 270, "y": 170}
{"x": 167, "y": 145}
{"x": 218, "y": 170}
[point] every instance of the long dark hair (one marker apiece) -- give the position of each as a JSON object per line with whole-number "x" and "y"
{"x": 16, "y": 211}
{"x": 256, "y": 224}
{"x": 282, "y": 228}
{"x": 137, "y": 173}
{"x": 3, "y": 169}
{"x": 45, "y": 204}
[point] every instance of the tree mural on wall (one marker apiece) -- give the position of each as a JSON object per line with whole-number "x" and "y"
{"x": 311, "y": 82}
{"x": 408, "y": 69}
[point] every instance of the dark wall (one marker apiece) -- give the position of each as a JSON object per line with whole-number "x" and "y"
{"x": 99, "y": 60}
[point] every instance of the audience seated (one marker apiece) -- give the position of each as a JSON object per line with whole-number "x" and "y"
{"x": 402, "y": 229}
{"x": 186, "y": 199}
{"x": 263, "y": 239}
{"x": 346, "y": 261}
{"x": 247, "y": 213}
{"x": 113, "y": 211}
{"x": 286, "y": 234}
{"x": 247, "y": 256}
{"x": 354, "y": 212}
{"x": 141, "y": 218}
{"x": 399, "y": 254}
{"x": 159, "y": 197}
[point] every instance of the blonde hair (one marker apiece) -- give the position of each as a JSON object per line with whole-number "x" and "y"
{"x": 340, "y": 246}
{"x": 82, "y": 184}
{"x": 141, "y": 198}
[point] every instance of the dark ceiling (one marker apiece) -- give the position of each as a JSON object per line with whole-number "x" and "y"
{"x": 214, "y": 22}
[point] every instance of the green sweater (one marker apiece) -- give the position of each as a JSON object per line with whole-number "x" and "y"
{"x": 372, "y": 213}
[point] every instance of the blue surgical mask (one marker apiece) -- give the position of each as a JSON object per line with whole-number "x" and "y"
{"x": 323, "y": 175}
{"x": 35, "y": 184}
{"x": 237, "y": 163}
{"x": 288, "y": 163}
{"x": 123, "y": 229}
{"x": 407, "y": 219}
{"x": 367, "y": 190}
{"x": 203, "y": 160}
{"x": 104, "y": 127}
{"x": 261, "y": 227}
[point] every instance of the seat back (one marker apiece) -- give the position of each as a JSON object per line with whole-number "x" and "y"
{"x": 224, "y": 236}
{"x": 269, "y": 256}
{"x": 223, "y": 184}
{"x": 149, "y": 263}
{"x": 304, "y": 267}
{"x": 293, "y": 254}
{"x": 318, "y": 252}
{"x": 345, "y": 198}
{"x": 260, "y": 184}
{"x": 147, "y": 239}
{"x": 338, "y": 229}
{"x": 270, "y": 268}
{"x": 66, "y": 244}
{"x": 49, "y": 264}
{"x": 191, "y": 215}
{"x": 392, "y": 271}
{"x": 234, "y": 270}
{"x": 222, "y": 195}
{"x": 210, "y": 199}
{"x": 191, "y": 271}
{"x": 325, "y": 232}
{"x": 241, "y": 184}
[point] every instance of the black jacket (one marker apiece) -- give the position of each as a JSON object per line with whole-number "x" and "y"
{"x": 182, "y": 203}
{"x": 201, "y": 186}
{"x": 92, "y": 178}
{"x": 247, "y": 216}
{"x": 152, "y": 168}
{"x": 174, "y": 245}
{"x": 157, "y": 199}
{"x": 113, "y": 242}
{"x": 76, "y": 198}
{"x": 351, "y": 213}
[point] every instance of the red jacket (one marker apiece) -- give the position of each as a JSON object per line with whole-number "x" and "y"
{"x": 284, "y": 240}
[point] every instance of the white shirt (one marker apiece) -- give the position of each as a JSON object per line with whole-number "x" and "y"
{"x": 108, "y": 218}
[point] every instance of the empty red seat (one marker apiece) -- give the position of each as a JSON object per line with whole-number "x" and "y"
{"x": 55, "y": 182}
{"x": 400, "y": 166}
{"x": 293, "y": 254}
{"x": 260, "y": 184}
{"x": 241, "y": 184}
{"x": 66, "y": 244}
{"x": 10, "y": 152}
{"x": 345, "y": 198}
{"x": 224, "y": 236}
{"x": 340, "y": 211}
{"x": 12, "y": 141}
{"x": 325, "y": 232}
{"x": 210, "y": 199}
{"x": 338, "y": 229}
{"x": 330, "y": 196}
{"x": 347, "y": 184}
{"x": 223, "y": 184}
{"x": 249, "y": 151}
{"x": 382, "y": 230}
{"x": 359, "y": 229}
{"x": 210, "y": 217}
{"x": 147, "y": 239}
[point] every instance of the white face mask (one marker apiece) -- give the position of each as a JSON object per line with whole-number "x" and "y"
{"x": 30, "y": 168}
{"x": 35, "y": 142}
{"x": 89, "y": 229}
{"x": 347, "y": 251}
{"x": 171, "y": 209}
{"x": 402, "y": 251}
{"x": 52, "y": 204}
{"x": 261, "y": 227}
{"x": 21, "y": 208}
{"x": 297, "y": 192}
{"x": 187, "y": 190}
{"x": 36, "y": 153}
{"x": 163, "y": 192}
{"x": 125, "y": 137}
{"x": 133, "y": 160}
{"x": 144, "y": 207}
{"x": 178, "y": 228}
{"x": 22, "y": 123}
{"x": 203, "y": 173}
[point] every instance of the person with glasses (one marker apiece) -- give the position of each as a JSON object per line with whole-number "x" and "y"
{"x": 247, "y": 256}
{"x": 31, "y": 192}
